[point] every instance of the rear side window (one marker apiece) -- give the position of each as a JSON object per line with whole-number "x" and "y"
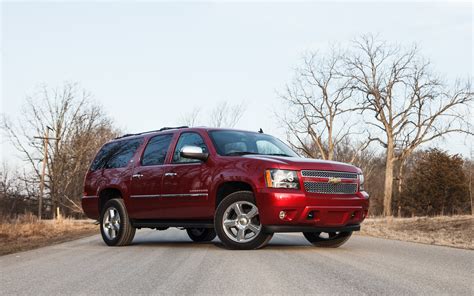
{"x": 188, "y": 139}
{"x": 122, "y": 154}
{"x": 102, "y": 156}
{"x": 116, "y": 154}
{"x": 155, "y": 151}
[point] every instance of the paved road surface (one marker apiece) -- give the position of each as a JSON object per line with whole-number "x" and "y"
{"x": 167, "y": 262}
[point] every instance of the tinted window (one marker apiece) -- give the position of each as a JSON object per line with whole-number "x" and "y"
{"x": 188, "y": 139}
{"x": 234, "y": 143}
{"x": 102, "y": 156}
{"x": 155, "y": 151}
{"x": 115, "y": 154}
{"x": 121, "y": 153}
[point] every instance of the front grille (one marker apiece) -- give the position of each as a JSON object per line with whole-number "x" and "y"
{"x": 328, "y": 174}
{"x": 329, "y": 188}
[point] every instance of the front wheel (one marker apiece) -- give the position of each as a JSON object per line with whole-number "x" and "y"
{"x": 115, "y": 225}
{"x": 237, "y": 222}
{"x": 201, "y": 234}
{"x": 327, "y": 239}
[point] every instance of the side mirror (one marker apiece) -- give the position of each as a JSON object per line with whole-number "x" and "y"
{"x": 193, "y": 152}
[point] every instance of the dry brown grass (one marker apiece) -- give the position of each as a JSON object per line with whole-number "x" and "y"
{"x": 452, "y": 231}
{"x": 27, "y": 232}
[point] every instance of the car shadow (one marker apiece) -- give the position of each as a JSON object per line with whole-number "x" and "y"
{"x": 273, "y": 245}
{"x": 280, "y": 242}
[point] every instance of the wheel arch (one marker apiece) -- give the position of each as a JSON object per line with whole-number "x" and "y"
{"x": 107, "y": 194}
{"x": 228, "y": 187}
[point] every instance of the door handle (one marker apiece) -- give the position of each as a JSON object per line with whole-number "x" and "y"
{"x": 137, "y": 176}
{"x": 170, "y": 174}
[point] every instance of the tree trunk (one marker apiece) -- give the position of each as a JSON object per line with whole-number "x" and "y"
{"x": 387, "y": 196}
{"x": 400, "y": 177}
{"x": 401, "y": 172}
{"x": 330, "y": 143}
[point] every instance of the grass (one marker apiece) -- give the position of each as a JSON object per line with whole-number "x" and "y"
{"x": 27, "y": 232}
{"x": 452, "y": 231}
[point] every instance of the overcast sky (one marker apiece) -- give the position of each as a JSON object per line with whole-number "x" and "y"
{"x": 148, "y": 63}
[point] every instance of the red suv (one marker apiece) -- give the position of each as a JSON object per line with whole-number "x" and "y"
{"x": 243, "y": 186}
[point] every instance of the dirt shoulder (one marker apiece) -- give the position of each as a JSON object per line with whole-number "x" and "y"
{"x": 453, "y": 231}
{"x": 19, "y": 235}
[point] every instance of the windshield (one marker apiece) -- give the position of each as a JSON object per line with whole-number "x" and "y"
{"x": 231, "y": 143}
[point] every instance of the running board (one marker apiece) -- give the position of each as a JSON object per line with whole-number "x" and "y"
{"x": 151, "y": 223}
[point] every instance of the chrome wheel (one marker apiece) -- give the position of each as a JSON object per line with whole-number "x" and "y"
{"x": 111, "y": 223}
{"x": 241, "y": 222}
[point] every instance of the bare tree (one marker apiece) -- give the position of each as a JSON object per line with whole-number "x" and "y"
{"x": 320, "y": 112}
{"x": 226, "y": 114}
{"x": 8, "y": 190}
{"x": 409, "y": 105}
{"x": 191, "y": 118}
{"x": 16, "y": 196}
{"x": 80, "y": 128}
{"x": 223, "y": 114}
{"x": 470, "y": 169}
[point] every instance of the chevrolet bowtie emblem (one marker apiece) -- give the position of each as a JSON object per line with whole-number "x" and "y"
{"x": 334, "y": 180}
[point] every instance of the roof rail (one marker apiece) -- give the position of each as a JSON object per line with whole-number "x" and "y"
{"x": 172, "y": 127}
{"x": 153, "y": 131}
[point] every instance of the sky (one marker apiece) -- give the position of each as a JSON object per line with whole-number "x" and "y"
{"x": 148, "y": 63}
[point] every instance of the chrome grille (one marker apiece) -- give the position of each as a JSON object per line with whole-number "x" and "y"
{"x": 328, "y": 174}
{"x": 330, "y": 188}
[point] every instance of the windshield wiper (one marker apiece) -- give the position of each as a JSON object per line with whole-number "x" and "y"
{"x": 240, "y": 153}
{"x": 278, "y": 154}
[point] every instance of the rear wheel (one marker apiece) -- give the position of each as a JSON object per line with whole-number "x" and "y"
{"x": 327, "y": 239}
{"x": 237, "y": 222}
{"x": 115, "y": 225}
{"x": 201, "y": 234}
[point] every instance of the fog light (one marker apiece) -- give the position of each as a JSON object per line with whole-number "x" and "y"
{"x": 282, "y": 215}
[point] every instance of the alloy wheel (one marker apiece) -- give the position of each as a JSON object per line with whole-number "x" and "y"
{"x": 241, "y": 222}
{"x": 111, "y": 223}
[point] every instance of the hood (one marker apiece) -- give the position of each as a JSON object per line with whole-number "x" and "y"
{"x": 299, "y": 163}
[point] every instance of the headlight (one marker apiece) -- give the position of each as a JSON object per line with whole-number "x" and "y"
{"x": 282, "y": 179}
{"x": 361, "y": 182}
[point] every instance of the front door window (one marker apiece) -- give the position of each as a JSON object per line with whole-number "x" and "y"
{"x": 188, "y": 139}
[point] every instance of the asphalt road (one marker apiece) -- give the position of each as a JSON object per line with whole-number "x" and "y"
{"x": 167, "y": 262}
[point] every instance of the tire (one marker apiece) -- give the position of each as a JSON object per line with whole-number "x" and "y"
{"x": 244, "y": 231}
{"x": 333, "y": 239}
{"x": 201, "y": 234}
{"x": 116, "y": 231}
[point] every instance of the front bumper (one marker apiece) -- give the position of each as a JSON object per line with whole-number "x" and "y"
{"x": 311, "y": 212}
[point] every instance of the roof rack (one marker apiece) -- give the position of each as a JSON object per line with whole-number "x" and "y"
{"x": 154, "y": 131}
{"x": 172, "y": 127}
